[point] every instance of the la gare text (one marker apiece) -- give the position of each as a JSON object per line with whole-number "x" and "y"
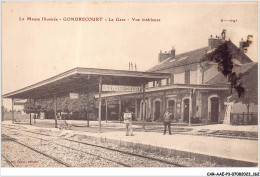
{"x": 88, "y": 19}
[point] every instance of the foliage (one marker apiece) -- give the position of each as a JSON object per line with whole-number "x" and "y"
{"x": 223, "y": 56}
{"x": 64, "y": 104}
{"x": 127, "y": 104}
{"x": 83, "y": 105}
{"x": 4, "y": 110}
{"x": 40, "y": 105}
{"x": 249, "y": 82}
{"x": 245, "y": 84}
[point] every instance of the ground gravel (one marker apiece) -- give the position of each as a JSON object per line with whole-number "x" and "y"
{"x": 21, "y": 156}
{"x": 100, "y": 156}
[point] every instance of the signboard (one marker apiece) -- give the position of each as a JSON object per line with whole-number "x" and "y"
{"x": 120, "y": 88}
{"x": 19, "y": 103}
{"x": 74, "y": 95}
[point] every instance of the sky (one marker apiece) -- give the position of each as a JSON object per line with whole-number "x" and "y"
{"x": 36, "y": 50}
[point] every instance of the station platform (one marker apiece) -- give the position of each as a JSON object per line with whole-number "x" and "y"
{"x": 230, "y": 151}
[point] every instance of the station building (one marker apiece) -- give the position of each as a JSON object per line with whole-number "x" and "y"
{"x": 189, "y": 84}
{"x": 195, "y": 89}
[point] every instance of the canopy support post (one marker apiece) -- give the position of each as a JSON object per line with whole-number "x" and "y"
{"x": 190, "y": 107}
{"x": 143, "y": 115}
{"x": 34, "y": 117}
{"x": 99, "y": 101}
{"x": 3, "y": 110}
{"x": 119, "y": 106}
{"x": 88, "y": 106}
{"x": 30, "y": 111}
{"x": 106, "y": 110}
{"x": 135, "y": 109}
{"x": 55, "y": 110}
{"x": 12, "y": 110}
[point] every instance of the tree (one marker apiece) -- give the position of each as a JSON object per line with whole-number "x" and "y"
{"x": 223, "y": 56}
{"x": 83, "y": 105}
{"x": 64, "y": 104}
{"x": 27, "y": 107}
{"x": 250, "y": 85}
{"x": 245, "y": 84}
{"x": 41, "y": 105}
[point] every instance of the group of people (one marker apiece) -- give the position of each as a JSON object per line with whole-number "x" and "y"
{"x": 128, "y": 116}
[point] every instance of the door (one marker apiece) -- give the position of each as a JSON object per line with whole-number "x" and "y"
{"x": 171, "y": 105}
{"x": 186, "y": 110}
{"x": 143, "y": 111}
{"x": 214, "y": 112}
{"x": 157, "y": 112}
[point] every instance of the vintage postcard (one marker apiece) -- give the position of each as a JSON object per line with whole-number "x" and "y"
{"x": 130, "y": 84}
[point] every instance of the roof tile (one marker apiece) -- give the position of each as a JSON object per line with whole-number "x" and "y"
{"x": 181, "y": 59}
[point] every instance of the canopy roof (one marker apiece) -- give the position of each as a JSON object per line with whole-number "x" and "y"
{"x": 79, "y": 79}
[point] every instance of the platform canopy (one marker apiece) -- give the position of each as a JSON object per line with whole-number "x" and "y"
{"x": 83, "y": 80}
{"x": 78, "y": 79}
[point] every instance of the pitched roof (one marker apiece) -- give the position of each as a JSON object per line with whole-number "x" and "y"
{"x": 244, "y": 67}
{"x": 240, "y": 69}
{"x": 78, "y": 79}
{"x": 181, "y": 59}
{"x": 196, "y": 56}
{"x": 235, "y": 51}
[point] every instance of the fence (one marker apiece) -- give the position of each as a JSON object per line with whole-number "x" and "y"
{"x": 244, "y": 118}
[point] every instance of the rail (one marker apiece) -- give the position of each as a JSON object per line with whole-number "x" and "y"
{"x": 108, "y": 148}
{"x": 40, "y": 152}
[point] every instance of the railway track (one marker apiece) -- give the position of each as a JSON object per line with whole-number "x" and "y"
{"x": 117, "y": 162}
{"x": 8, "y": 161}
{"x": 129, "y": 153}
{"x": 120, "y": 163}
{"x": 106, "y": 148}
{"x": 33, "y": 149}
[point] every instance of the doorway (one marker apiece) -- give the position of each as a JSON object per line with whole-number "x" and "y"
{"x": 143, "y": 110}
{"x": 214, "y": 111}
{"x": 171, "y": 106}
{"x": 186, "y": 110}
{"x": 157, "y": 112}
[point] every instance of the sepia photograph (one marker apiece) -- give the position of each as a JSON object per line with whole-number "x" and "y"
{"x": 108, "y": 85}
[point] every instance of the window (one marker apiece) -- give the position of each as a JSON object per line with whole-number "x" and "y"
{"x": 164, "y": 82}
{"x": 150, "y": 84}
{"x": 187, "y": 77}
{"x": 172, "y": 79}
{"x": 159, "y": 83}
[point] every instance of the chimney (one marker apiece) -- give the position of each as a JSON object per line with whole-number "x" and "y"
{"x": 214, "y": 42}
{"x": 173, "y": 53}
{"x": 164, "y": 56}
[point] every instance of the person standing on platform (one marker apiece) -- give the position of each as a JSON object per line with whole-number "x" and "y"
{"x": 167, "y": 121}
{"x": 128, "y": 122}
